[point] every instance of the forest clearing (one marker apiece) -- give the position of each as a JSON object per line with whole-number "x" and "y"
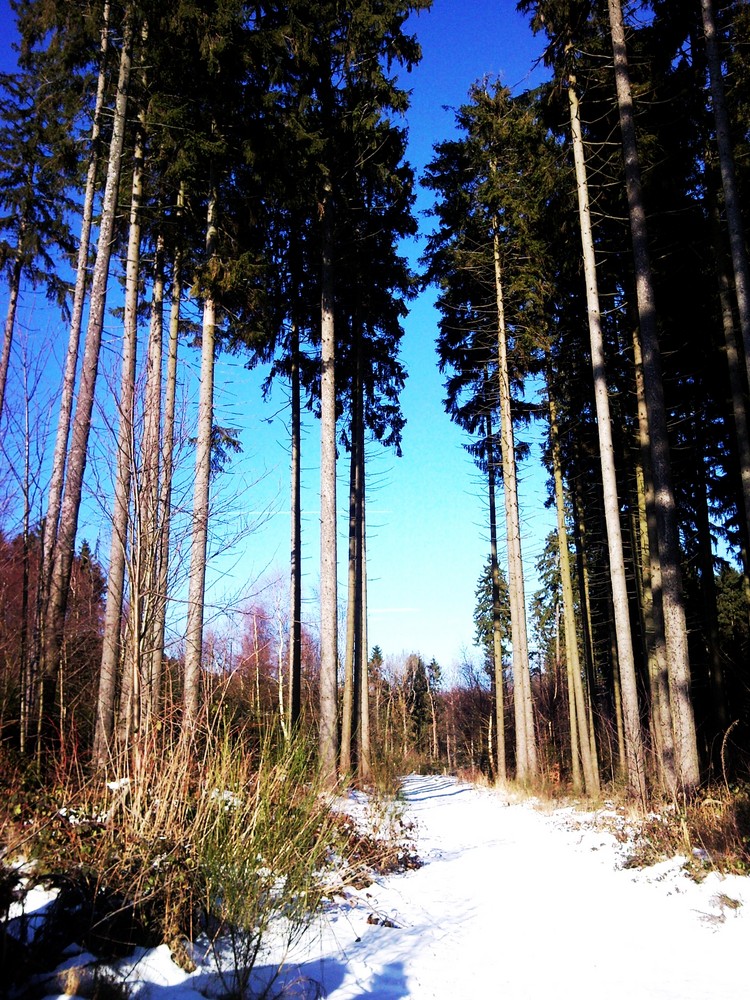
{"x": 235, "y": 235}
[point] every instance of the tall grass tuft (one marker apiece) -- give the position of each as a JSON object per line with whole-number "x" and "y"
{"x": 262, "y": 833}
{"x": 223, "y": 832}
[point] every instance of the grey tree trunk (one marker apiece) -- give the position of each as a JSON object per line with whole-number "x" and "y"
{"x": 364, "y": 750}
{"x": 675, "y": 628}
{"x": 199, "y": 538}
{"x": 62, "y": 563}
{"x": 110, "y": 663}
{"x": 147, "y": 585}
{"x": 728, "y": 178}
{"x": 526, "y": 756}
{"x": 349, "y": 707}
{"x": 295, "y": 589}
{"x": 661, "y": 709}
{"x": 10, "y": 323}
{"x": 167, "y": 467}
{"x": 579, "y": 717}
{"x": 328, "y": 736}
{"x": 497, "y": 643}
{"x": 363, "y": 745}
{"x": 631, "y": 716}
{"x": 71, "y": 357}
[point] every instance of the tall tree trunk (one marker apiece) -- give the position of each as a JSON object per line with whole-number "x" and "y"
{"x": 526, "y": 757}
{"x": 26, "y": 678}
{"x": 710, "y": 611}
{"x": 328, "y": 735}
{"x": 167, "y": 465}
{"x": 633, "y": 735}
{"x": 349, "y": 708}
{"x": 10, "y": 323}
{"x": 148, "y": 520}
{"x": 578, "y": 718}
{"x": 295, "y": 589}
{"x": 67, "y": 391}
{"x": 62, "y": 563}
{"x": 497, "y": 641}
{"x": 686, "y": 748}
{"x": 737, "y": 379}
{"x": 661, "y": 709}
{"x": 364, "y": 750}
{"x": 728, "y": 177}
{"x": 110, "y": 663}
{"x": 199, "y": 538}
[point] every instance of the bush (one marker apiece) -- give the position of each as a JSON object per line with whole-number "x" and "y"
{"x": 217, "y": 833}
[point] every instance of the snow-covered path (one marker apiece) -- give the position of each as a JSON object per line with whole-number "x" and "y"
{"x": 511, "y": 904}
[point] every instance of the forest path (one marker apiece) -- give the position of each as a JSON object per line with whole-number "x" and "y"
{"x": 511, "y": 903}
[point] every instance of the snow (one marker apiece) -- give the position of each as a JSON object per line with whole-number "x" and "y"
{"x": 512, "y": 901}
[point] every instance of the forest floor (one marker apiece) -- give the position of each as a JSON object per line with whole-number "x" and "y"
{"x": 513, "y": 899}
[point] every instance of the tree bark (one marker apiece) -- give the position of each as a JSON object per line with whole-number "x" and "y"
{"x": 364, "y": 750}
{"x": 167, "y": 465}
{"x": 295, "y": 589}
{"x": 728, "y": 178}
{"x": 148, "y": 513}
{"x": 199, "y": 538}
{"x": 578, "y": 717}
{"x": 633, "y": 736}
{"x": 349, "y": 708}
{"x": 10, "y": 323}
{"x": 110, "y": 662}
{"x": 526, "y": 757}
{"x": 49, "y": 534}
{"x": 328, "y": 735}
{"x": 71, "y": 501}
{"x": 497, "y": 643}
{"x": 675, "y": 627}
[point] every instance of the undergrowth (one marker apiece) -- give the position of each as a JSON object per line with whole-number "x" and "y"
{"x": 712, "y": 831}
{"x": 219, "y": 835}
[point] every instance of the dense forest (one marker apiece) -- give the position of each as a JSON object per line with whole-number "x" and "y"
{"x": 208, "y": 176}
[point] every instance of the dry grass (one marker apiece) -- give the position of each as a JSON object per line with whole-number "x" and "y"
{"x": 712, "y": 831}
{"x": 216, "y": 833}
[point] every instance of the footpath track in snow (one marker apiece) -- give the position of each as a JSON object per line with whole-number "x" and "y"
{"x": 511, "y": 903}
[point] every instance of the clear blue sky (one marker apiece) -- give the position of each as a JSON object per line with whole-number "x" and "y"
{"x": 427, "y": 539}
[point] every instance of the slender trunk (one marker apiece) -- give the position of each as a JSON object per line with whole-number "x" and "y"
{"x": 110, "y": 663}
{"x": 71, "y": 501}
{"x": 295, "y": 611}
{"x": 199, "y": 540}
{"x": 728, "y": 177}
{"x": 661, "y": 709}
{"x": 579, "y": 720}
{"x": 710, "y": 611}
{"x": 328, "y": 736}
{"x": 148, "y": 522}
{"x": 167, "y": 464}
{"x": 497, "y": 640}
{"x": 348, "y": 711}
{"x": 49, "y": 535}
{"x": 10, "y": 323}
{"x": 633, "y": 735}
{"x": 526, "y": 758}
{"x": 675, "y": 627}
{"x": 737, "y": 379}
{"x": 26, "y": 678}
{"x": 363, "y": 744}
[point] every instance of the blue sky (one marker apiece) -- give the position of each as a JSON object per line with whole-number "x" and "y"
{"x": 427, "y": 539}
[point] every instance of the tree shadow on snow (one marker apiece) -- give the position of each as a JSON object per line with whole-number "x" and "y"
{"x": 418, "y": 789}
